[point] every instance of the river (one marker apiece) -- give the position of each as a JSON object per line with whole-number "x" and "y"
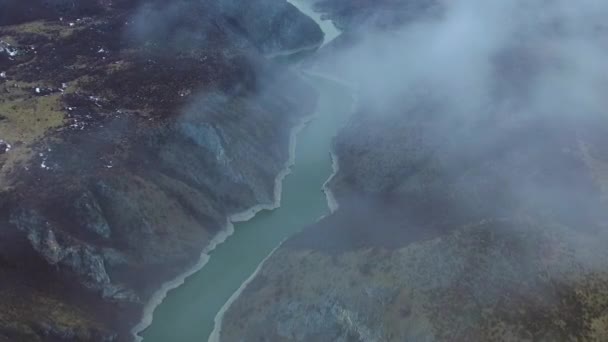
{"x": 188, "y": 312}
{"x": 327, "y": 26}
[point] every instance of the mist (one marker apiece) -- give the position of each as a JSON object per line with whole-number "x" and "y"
{"x": 471, "y": 116}
{"x": 505, "y": 99}
{"x": 472, "y": 53}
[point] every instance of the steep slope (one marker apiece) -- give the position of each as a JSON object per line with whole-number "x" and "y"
{"x": 458, "y": 220}
{"x": 127, "y": 146}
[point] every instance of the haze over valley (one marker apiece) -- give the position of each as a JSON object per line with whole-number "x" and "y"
{"x": 303, "y": 170}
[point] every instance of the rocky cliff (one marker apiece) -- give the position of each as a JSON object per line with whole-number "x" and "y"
{"x": 129, "y": 132}
{"x": 482, "y": 224}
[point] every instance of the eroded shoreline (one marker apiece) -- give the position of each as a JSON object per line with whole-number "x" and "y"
{"x": 248, "y": 214}
{"x": 221, "y": 236}
{"x": 332, "y": 205}
{"x": 218, "y": 320}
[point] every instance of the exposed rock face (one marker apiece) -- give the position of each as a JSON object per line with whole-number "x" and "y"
{"x": 126, "y": 147}
{"x": 483, "y": 226}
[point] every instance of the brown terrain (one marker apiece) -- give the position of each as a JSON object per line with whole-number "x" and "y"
{"x": 484, "y": 226}
{"x": 129, "y": 131}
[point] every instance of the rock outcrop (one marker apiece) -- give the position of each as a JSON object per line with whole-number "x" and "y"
{"x": 125, "y": 147}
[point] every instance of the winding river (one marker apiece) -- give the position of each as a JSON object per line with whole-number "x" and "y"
{"x": 188, "y": 313}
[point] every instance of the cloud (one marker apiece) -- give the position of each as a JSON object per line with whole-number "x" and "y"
{"x": 501, "y": 95}
{"x": 478, "y": 52}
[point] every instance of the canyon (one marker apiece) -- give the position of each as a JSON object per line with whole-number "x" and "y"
{"x": 328, "y": 170}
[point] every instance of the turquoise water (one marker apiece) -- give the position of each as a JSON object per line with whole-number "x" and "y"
{"x": 188, "y": 312}
{"x": 327, "y": 26}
